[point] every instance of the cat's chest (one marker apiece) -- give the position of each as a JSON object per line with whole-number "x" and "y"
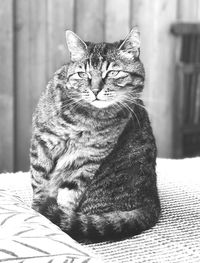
{"x": 83, "y": 146}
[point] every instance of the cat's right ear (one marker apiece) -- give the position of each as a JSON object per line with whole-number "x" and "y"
{"x": 76, "y": 46}
{"x": 130, "y": 47}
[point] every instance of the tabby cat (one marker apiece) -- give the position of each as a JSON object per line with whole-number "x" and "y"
{"x": 93, "y": 153}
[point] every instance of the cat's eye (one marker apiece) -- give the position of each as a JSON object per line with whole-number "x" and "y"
{"x": 83, "y": 75}
{"x": 112, "y": 73}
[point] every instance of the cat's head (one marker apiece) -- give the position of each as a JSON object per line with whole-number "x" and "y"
{"x": 105, "y": 74}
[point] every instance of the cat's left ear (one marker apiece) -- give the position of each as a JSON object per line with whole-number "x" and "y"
{"x": 76, "y": 46}
{"x": 131, "y": 45}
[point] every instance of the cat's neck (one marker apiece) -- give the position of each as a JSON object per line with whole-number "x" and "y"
{"x": 97, "y": 118}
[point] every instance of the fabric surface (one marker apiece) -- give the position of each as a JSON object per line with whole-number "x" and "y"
{"x": 26, "y": 236}
{"x": 176, "y": 237}
{"x": 19, "y": 183}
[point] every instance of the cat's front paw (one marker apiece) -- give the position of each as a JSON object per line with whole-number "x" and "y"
{"x": 67, "y": 198}
{"x": 62, "y": 196}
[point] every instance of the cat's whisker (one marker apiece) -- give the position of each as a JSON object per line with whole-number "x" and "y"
{"x": 127, "y": 99}
{"x": 75, "y": 105}
{"x": 118, "y": 106}
{"x": 134, "y": 115}
{"x": 138, "y": 104}
{"x": 124, "y": 104}
{"x": 134, "y": 101}
{"x": 152, "y": 112}
{"x": 72, "y": 105}
{"x": 127, "y": 108}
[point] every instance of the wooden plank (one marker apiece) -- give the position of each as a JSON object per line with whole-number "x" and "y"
{"x": 198, "y": 10}
{"x": 193, "y": 97}
{"x": 178, "y": 113}
{"x": 89, "y": 20}
{"x": 189, "y": 68}
{"x": 117, "y": 19}
{"x": 22, "y": 86}
{"x": 191, "y": 129}
{"x": 197, "y": 104}
{"x": 188, "y": 10}
{"x": 37, "y": 49}
{"x": 139, "y": 10}
{"x": 179, "y": 47}
{"x": 158, "y": 53}
{"x": 186, "y": 103}
{"x": 183, "y": 28}
{"x": 6, "y": 86}
{"x": 60, "y": 17}
{"x": 30, "y": 71}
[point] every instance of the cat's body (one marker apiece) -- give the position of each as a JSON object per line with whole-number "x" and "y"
{"x": 93, "y": 162}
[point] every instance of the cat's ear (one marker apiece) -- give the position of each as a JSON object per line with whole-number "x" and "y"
{"x": 76, "y": 46}
{"x": 131, "y": 45}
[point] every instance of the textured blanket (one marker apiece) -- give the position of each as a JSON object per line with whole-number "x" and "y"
{"x": 176, "y": 237}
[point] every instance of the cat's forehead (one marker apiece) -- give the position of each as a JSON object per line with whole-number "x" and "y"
{"x": 100, "y": 53}
{"x": 103, "y": 49}
{"x": 103, "y": 57}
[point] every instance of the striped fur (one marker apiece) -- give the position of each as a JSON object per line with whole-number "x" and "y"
{"x": 92, "y": 150}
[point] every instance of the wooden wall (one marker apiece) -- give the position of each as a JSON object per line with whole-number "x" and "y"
{"x": 6, "y": 86}
{"x": 32, "y": 47}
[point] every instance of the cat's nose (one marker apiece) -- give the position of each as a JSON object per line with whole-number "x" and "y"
{"x": 96, "y": 91}
{"x": 97, "y": 85}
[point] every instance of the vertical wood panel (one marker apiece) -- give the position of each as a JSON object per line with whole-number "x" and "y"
{"x": 22, "y": 85}
{"x": 117, "y": 19}
{"x": 60, "y": 18}
{"x": 178, "y": 116}
{"x": 37, "y": 43}
{"x": 188, "y": 10}
{"x": 198, "y": 11}
{"x": 30, "y": 71}
{"x": 142, "y": 12}
{"x": 89, "y": 19}
{"x": 159, "y": 52}
{"x": 6, "y": 85}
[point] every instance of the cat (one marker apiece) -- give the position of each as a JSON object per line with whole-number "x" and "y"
{"x": 93, "y": 152}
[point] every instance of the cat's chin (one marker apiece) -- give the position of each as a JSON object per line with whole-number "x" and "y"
{"x": 101, "y": 103}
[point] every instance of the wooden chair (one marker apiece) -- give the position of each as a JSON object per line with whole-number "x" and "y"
{"x": 187, "y": 93}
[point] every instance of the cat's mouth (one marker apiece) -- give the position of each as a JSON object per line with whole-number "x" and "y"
{"x": 101, "y": 103}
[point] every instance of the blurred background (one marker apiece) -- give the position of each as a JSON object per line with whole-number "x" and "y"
{"x": 32, "y": 47}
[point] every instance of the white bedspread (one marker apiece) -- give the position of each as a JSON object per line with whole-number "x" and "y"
{"x": 176, "y": 238}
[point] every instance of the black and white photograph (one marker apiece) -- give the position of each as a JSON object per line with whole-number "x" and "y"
{"x": 100, "y": 131}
